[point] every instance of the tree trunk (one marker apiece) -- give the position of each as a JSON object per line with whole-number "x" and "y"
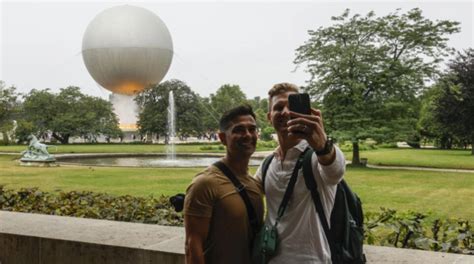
{"x": 63, "y": 139}
{"x": 6, "y": 140}
{"x": 355, "y": 153}
{"x": 472, "y": 144}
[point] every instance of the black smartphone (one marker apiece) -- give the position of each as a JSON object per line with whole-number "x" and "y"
{"x": 299, "y": 103}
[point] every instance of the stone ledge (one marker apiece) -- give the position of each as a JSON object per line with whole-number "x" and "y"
{"x": 112, "y": 233}
{"x": 35, "y": 238}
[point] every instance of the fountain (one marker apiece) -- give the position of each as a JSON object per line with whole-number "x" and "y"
{"x": 151, "y": 160}
{"x": 170, "y": 149}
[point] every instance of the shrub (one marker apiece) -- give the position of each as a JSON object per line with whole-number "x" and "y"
{"x": 363, "y": 145}
{"x": 212, "y": 148}
{"x": 272, "y": 144}
{"x": 388, "y": 145}
{"x": 127, "y": 208}
{"x": 266, "y": 134}
{"x": 413, "y": 230}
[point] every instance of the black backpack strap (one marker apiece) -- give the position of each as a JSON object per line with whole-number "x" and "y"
{"x": 313, "y": 187}
{"x": 241, "y": 190}
{"x": 290, "y": 187}
{"x": 265, "y": 166}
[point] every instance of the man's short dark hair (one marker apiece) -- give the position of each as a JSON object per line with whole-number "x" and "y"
{"x": 229, "y": 115}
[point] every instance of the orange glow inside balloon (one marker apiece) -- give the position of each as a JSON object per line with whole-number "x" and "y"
{"x": 128, "y": 127}
{"x": 128, "y": 88}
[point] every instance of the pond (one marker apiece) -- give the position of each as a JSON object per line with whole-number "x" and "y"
{"x": 149, "y": 161}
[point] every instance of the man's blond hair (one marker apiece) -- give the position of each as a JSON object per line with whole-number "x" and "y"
{"x": 280, "y": 88}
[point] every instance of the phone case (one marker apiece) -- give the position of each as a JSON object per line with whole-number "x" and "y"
{"x": 299, "y": 103}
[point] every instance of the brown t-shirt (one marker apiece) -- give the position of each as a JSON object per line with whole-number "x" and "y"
{"x": 212, "y": 194}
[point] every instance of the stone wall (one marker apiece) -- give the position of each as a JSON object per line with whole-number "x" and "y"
{"x": 34, "y": 238}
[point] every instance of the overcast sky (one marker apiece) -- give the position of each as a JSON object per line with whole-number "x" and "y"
{"x": 245, "y": 43}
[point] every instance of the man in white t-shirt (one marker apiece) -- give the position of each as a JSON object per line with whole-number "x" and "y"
{"x": 301, "y": 235}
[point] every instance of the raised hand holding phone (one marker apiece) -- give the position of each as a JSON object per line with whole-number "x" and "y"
{"x": 306, "y": 122}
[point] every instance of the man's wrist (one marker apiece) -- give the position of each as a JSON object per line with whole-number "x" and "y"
{"x": 327, "y": 149}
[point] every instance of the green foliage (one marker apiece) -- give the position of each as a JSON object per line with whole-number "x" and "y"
{"x": 347, "y": 146}
{"x": 69, "y": 113}
{"x": 92, "y": 205}
{"x": 463, "y": 69}
{"x": 267, "y": 145}
{"x": 154, "y": 102}
{"x": 266, "y": 133}
{"x": 227, "y": 96}
{"x": 387, "y": 145}
{"x": 367, "y": 71}
{"x": 9, "y": 108}
{"x": 212, "y": 147}
{"x": 452, "y": 114}
{"x": 414, "y": 230}
{"x": 262, "y": 122}
{"x": 24, "y": 129}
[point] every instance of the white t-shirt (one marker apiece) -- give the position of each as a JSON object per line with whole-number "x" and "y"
{"x": 301, "y": 235}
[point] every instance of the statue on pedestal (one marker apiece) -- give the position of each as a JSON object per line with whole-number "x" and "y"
{"x": 36, "y": 151}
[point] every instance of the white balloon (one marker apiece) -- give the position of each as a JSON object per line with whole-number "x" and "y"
{"x": 127, "y": 48}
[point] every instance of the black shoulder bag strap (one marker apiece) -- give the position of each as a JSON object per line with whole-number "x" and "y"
{"x": 241, "y": 190}
{"x": 290, "y": 187}
{"x": 313, "y": 187}
{"x": 265, "y": 166}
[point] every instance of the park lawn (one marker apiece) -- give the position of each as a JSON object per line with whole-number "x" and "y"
{"x": 112, "y": 180}
{"x": 433, "y": 158}
{"x": 443, "y": 194}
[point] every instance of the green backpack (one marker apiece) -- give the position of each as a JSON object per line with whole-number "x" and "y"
{"x": 346, "y": 235}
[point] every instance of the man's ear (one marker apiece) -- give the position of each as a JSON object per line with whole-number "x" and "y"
{"x": 269, "y": 117}
{"x": 222, "y": 138}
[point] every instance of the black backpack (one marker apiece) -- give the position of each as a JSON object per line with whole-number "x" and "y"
{"x": 346, "y": 235}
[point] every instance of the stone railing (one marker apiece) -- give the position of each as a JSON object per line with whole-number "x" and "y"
{"x": 34, "y": 238}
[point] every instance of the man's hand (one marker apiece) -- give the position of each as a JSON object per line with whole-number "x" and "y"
{"x": 311, "y": 128}
{"x": 197, "y": 229}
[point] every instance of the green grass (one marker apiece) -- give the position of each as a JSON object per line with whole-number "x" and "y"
{"x": 441, "y": 193}
{"x": 444, "y": 194}
{"x": 113, "y": 180}
{"x": 435, "y": 158}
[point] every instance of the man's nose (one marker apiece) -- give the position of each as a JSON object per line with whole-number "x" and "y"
{"x": 286, "y": 111}
{"x": 247, "y": 133}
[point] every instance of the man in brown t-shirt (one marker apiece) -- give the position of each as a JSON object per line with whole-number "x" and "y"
{"x": 215, "y": 216}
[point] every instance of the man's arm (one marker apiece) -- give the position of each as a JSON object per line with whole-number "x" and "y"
{"x": 333, "y": 172}
{"x": 197, "y": 229}
{"x": 329, "y": 158}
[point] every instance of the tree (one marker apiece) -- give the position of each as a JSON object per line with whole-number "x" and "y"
{"x": 367, "y": 71}
{"x": 454, "y": 106}
{"x": 154, "y": 102}
{"x": 463, "y": 68}
{"x": 69, "y": 113}
{"x": 9, "y": 108}
{"x": 210, "y": 119}
{"x": 443, "y": 120}
{"x": 427, "y": 126}
{"x": 260, "y": 108}
{"x": 227, "y": 97}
